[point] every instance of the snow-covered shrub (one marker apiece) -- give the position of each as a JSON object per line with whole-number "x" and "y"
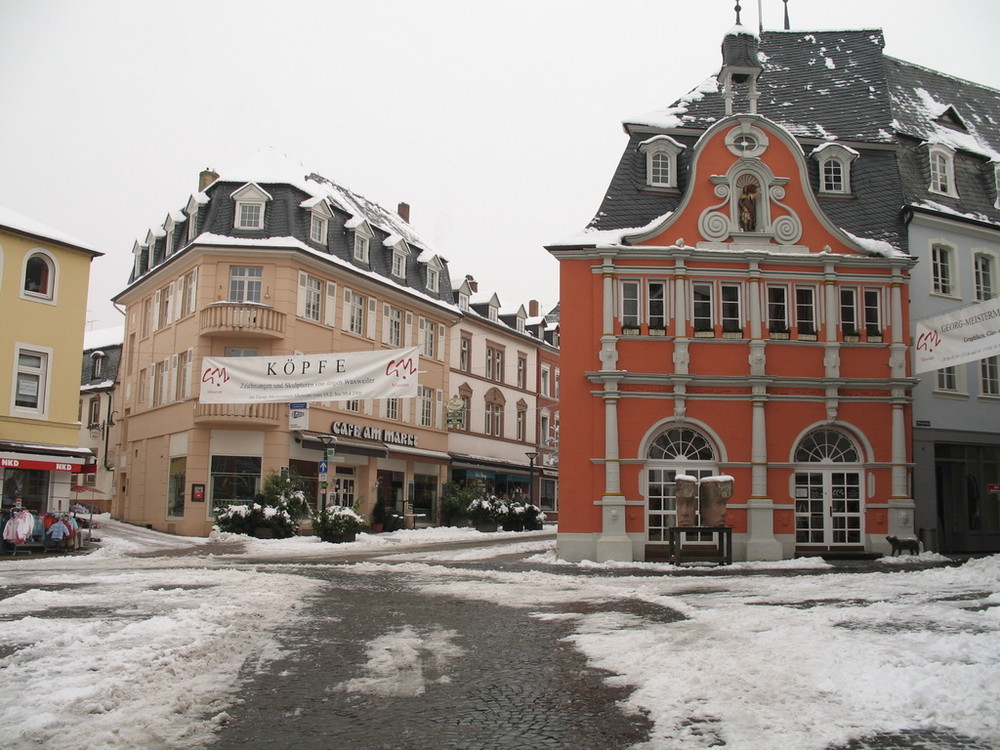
{"x": 335, "y": 522}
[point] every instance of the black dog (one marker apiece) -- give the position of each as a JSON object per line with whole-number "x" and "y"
{"x": 910, "y": 545}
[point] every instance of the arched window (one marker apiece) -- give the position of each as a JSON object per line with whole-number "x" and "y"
{"x": 681, "y": 444}
{"x": 39, "y": 275}
{"x": 661, "y": 161}
{"x": 659, "y": 169}
{"x": 826, "y": 446}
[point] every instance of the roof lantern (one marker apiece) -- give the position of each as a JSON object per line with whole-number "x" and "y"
{"x": 740, "y": 66}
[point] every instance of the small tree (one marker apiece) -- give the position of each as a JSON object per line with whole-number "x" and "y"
{"x": 456, "y": 497}
{"x": 275, "y": 511}
{"x": 338, "y": 523}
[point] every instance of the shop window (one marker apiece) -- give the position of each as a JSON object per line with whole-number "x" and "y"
{"x": 234, "y": 479}
{"x": 175, "y": 486}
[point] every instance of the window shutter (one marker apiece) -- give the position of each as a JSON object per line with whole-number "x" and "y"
{"x": 345, "y": 319}
{"x": 172, "y": 388}
{"x": 168, "y": 313}
{"x": 408, "y": 330}
{"x": 440, "y": 342}
{"x": 150, "y": 384}
{"x": 331, "y": 303}
{"x": 385, "y": 322}
{"x": 438, "y": 408}
{"x": 194, "y": 289}
{"x": 300, "y": 307}
{"x": 372, "y": 310}
{"x": 156, "y": 309}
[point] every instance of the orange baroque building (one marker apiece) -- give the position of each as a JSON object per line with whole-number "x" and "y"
{"x": 743, "y": 332}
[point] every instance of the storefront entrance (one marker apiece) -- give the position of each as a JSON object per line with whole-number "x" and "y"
{"x": 828, "y": 493}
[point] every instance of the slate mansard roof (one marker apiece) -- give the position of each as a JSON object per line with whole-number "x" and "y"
{"x": 837, "y": 86}
{"x": 293, "y": 191}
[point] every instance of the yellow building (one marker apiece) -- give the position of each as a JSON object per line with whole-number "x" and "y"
{"x": 44, "y": 275}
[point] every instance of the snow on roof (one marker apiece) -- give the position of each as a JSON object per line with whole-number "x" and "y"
{"x": 671, "y": 117}
{"x": 876, "y": 247}
{"x": 21, "y": 223}
{"x": 104, "y": 337}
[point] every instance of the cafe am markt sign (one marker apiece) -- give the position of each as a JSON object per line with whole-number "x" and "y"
{"x": 954, "y": 338}
{"x": 389, "y": 373}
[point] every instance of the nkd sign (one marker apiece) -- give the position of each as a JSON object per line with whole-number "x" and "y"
{"x": 21, "y": 463}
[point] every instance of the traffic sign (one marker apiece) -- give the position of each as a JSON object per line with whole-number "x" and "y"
{"x": 324, "y": 467}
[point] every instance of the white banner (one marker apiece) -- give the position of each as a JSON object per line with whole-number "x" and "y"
{"x": 965, "y": 335}
{"x": 390, "y": 373}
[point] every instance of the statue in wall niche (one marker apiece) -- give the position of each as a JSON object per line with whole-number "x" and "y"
{"x": 747, "y": 205}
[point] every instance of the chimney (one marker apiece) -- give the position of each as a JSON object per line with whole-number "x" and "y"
{"x": 533, "y": 308}
{"x": 473, "y": 284}
{"x": 404, "y": 212}
{"x": 206, "y": 178}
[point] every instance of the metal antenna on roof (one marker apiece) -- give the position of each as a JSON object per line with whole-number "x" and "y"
{"x": 738, "y": 9}
{"x": 760, "y": 18}
{"x": 787, "y": 26}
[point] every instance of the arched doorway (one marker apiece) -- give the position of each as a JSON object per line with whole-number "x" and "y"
{"x": 676, "y": 450}
{"x": 829, "y": 494}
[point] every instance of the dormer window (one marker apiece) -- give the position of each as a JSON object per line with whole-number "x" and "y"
{"x": 250, "y": 204}
{"x": 399, "y": 257}
{"x": 463, "y": 301}
{"x": 661, "y": 161}
{"x": 362, "y": 240}
{"x": 317, "y": 228}
{"x": 942, "y": 168}
{"x": 433, "y": 274}
{"x": 834, "y": 168}
{"x": 996, "y": 184}
{"x": 319, "y": 219}
{"x": 493, "y": 313}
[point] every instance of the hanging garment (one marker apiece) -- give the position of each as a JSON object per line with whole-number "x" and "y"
{"x": 59, "y": 531}
{"x": 19, "y": 528}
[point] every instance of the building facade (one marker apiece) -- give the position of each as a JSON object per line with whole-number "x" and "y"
{"x": 98, "y": 426}
{"x": 271, "y": 260}
{"x": 44, "y": 275}
{"x": 948, "y": 131}
{"x": 738, "y": 307}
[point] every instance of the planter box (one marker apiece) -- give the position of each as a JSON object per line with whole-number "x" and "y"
{"x": 704, "y": 334}
{"x": 657, "y": 331}
{"x": 341, "y": 538}
{"x": 629, "y": 331}
{"x": 874, "y": 339}
{"x": 807, "y": 337}
{"x": 732, "y": 334}
{"x": 783, "y": 335}
{"x": 852, "y": 339}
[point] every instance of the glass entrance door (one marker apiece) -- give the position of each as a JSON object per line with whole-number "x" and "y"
{"x": 828, "y": 508}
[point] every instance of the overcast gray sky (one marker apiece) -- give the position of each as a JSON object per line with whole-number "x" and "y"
{"x": 498, "y": 122}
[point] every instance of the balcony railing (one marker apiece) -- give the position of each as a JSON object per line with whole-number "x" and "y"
{"x": 247, "y": 415}
{"x": 227, "y": 319}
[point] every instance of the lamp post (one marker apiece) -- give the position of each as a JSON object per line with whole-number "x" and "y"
{"x": 532, "y": 455}
{"x": 328, "y": 442}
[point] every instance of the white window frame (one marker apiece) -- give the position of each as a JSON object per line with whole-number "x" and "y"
{"x": 656, "y": 319}
{"x": 317, "y": 228}
{"x": 830, "y": 154}
{"x": 40, "y": 375}
{"x": 727, "y": 307}
{"x": 362, "y": 243}
{"x": 249, "y": 197}
{"x": 428, "y": 338}
{"x": 871, "y": 310}
{"x": 847, "y": 303}
{"x": 984, "y": 273}
{"x": 944, "y": 280}
{"x": 631, "y": 302}
{"x": 48, "y": 295}
{"x": 989, "y": 376}
{"x": 545, "y": 388}
{"x": 810, "y": 319}
{"x": 950, "y": 380}
{"x": 699, "y": 306}
{"x": 425, "y": 398}
{"x": 941, "y": 161}
{"x": 245, "y": 284}
{"x": 354, "y": 312}
{"x": 661, "y": 156}
{"x": 399, "y": 258}
{"x": 392, "y": 325}
{"x": 433, "y": 279}
{"x": 310, "y": 297}
{"x": 777, "y": 317}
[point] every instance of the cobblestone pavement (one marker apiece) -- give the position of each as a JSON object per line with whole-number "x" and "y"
{"x": 515, "y": 687}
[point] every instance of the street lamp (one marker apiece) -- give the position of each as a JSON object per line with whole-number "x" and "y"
{"x": 532, "y": 455}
